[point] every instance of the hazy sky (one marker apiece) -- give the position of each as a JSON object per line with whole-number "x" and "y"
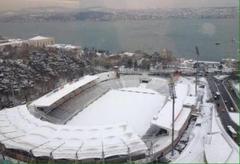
{"x": 123, "y": 4}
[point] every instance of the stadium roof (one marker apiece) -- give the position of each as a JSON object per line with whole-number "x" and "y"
{"x": 57, "y": 94}
{"x": 164, "y": 117}
{"x": 190, "y": 101}
{"x": 22, "y": 131}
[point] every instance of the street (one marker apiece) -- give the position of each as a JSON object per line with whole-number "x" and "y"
{"x": 224, "y": 103}
{"x": 232, "y": 93}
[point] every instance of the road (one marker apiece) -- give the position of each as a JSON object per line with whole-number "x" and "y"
{"x": 224, "y": 103}
{"x": 226, "y": 97}
{"x": 232, "y": 93}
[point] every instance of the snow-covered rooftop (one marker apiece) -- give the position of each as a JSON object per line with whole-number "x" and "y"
{"x": 182, "y": 90}
{"x": 12, "y": 42}
{"x": 64, "y": 46}
{"x": 20, "y": 130}
{"x": 164, "y": 117}
{"x": 40, "y": 38}
{"x": 209, "y": 62}
{"x": 128, "y": 54}
{"x": 190, "y": 101}
{"x": 182, "y": 117}
{"x": 57, "y": 94}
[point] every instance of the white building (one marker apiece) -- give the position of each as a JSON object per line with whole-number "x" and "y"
{"x": 11, "y": 42}
{"x": 66, "y": 48}
{"x": 40, "y": 41}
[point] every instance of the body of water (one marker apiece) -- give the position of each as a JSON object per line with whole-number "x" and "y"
{"x": 178, "y": 35}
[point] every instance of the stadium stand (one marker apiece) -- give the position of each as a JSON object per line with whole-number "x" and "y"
{"x": 67, "y": 109}
{"x": 43, "y": 139}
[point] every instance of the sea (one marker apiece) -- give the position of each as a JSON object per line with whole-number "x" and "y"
{"x": 215, "y": 38}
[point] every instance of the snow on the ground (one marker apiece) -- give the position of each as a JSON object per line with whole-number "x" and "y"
{"x": 194, "y": 151}
{"x": 174, "y": 156}
{"x": 221, "y": 77}
{"x": 218, "y": 150}
{"x": 235, "y": 117}
{"x": 236, "y": 87}
{"x": 212, "y": 143}
{"x": 219, "y": 144}
{"x": 209, "y": 140}
{"x": 143, "y": 85}
{"x": 135, "y": 106}
{"x": 159, "y": 84}
{"x": 190, "y": 81}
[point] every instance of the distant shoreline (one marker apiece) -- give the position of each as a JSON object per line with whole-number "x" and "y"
{"x": 118, "y": 15}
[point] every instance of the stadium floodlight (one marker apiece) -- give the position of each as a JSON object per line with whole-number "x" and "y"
{"x": 172, "y": 93}
{"x": 197, "y": 53}
{"x": 128, "y": 150}
{"x": 103, "y": 155}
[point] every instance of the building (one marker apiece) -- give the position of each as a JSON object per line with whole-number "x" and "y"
{"x": 67, "y": 48}
{"x": 40, "y": 41}
{"x": 11, "y": 42}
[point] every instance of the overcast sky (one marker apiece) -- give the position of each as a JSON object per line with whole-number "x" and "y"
{"x": 6, "y": 5}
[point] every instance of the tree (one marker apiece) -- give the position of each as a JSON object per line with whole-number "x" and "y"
{"x": 129, "y": 63}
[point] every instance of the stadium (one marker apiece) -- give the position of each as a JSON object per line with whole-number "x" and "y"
{"x": 103, "y": 117}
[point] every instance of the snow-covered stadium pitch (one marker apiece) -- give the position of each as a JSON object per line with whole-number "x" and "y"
{"x": 133, "y": 106}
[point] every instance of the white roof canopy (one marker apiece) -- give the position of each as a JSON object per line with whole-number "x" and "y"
{"x": 59, "y": 93}
{"x": 164, "y": 117}
{"x": 62, "y": 141}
